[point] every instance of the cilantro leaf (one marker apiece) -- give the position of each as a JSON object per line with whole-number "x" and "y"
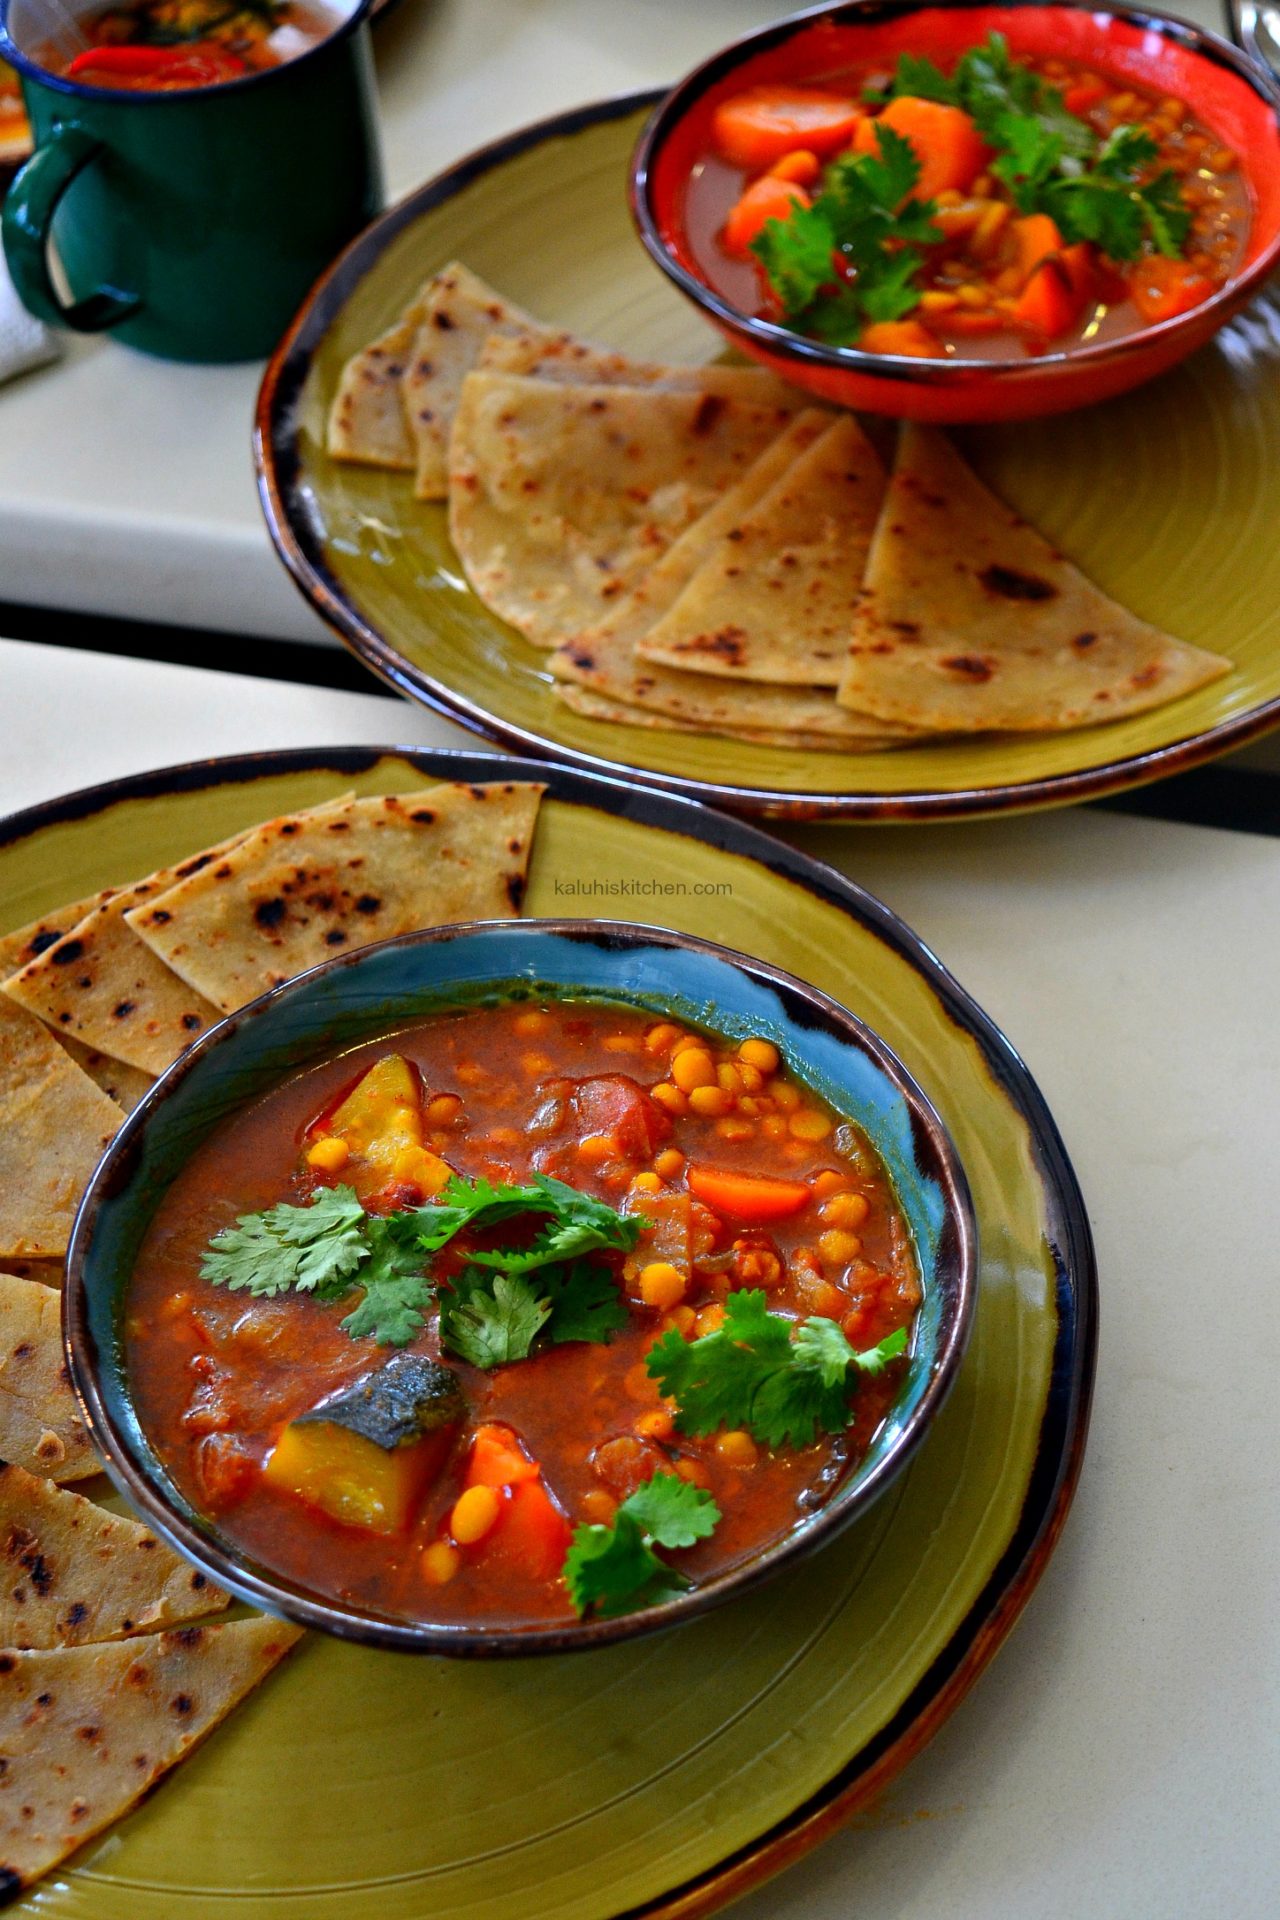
{"x": 468, "y": 1203}
{"x": 754, "y": 1372}
{"x": 923, "y": 80}
{"x": 615, "y": 1568}
{"x": 396, "y": 1290}
{"x": 797, "y": 255}
{"x": 491, "y": 1319}
{"x": 672, "y": 1511}
{"x": 581, "y": 1224}
{"x": 304, "y": 1247}
{"x": 584, "y": 1300}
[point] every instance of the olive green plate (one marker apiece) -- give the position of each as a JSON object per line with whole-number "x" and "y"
{"x": 664, "y": 1775}
{"x": 1169, "y": 498}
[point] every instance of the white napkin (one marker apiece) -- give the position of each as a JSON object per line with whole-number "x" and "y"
{"x": 25, "y": 342}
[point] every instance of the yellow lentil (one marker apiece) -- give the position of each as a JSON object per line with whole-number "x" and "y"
{"x": 440, "y": 1561}
{"x": 661, "y": 1284}
{"x": 761, "y": 1054}
{"x": 710, "y": 1100}
{"x": 736, "y": 1448}
{"x": 669, "y": 1097}
{"x": 475, "y": 1513}
{"x": 693, "y": 1068}
{"x": 329, "y": 1154}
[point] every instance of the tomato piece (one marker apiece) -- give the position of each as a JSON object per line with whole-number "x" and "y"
{"x": 613, "y": 1103}
{"x": 899, "y": 336}
{"x": 498, "y": 1460}
{"x": 757, "y": 127}
{"x": 767, "y": 198}
{"x": 1084, "y": 95}
{"x": 951, "y": 151}
{"x": 1161, "y": 288}
{"x": 750, "y": 1197}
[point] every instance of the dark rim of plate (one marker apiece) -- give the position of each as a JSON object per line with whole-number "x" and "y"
{"x": 779, "y": 339}
{"x": 1064, "y": 1424}
{"x": 300, "y": 545}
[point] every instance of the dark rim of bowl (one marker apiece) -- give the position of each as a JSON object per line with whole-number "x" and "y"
{"x": 278, "y": 466}
{"x": 221, "y": 1560}
{"x": 77, "y": 89}
{"x": 782, "y": 341}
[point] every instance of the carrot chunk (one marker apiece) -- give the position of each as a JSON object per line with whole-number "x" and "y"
{"x": 768, "y": 198}
{"x": 899, "y": 336}
{"x": 532, "y": 1532}
{"x": 1161, "y": 288}
{"x": 951, "y": 151}
{"x": 1048, "y": 305}
{"x": 802, "y": 166}
{"x": 1036, "y": 238}
{"x": 757, "y": 127}
{"x": 749, "y": 1197}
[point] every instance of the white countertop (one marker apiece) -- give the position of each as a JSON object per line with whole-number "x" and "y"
{"x": 126, "y": 483}
{"x": 1119, "y": 1759}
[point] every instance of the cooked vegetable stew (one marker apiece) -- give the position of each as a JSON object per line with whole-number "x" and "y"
{"x": 1006, "y": 206}
{"x": 158, "y": 46}
{"x": 527, "y": 1309}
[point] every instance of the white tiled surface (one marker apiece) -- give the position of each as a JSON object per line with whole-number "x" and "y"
{"x": 1119, "y": 1760}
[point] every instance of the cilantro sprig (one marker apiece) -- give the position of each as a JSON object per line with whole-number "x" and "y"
{"x": 866, "y": 219}
{"x": 493, "y": 1312}
{"x": 1054, "y": 162}
{"x": 615, "y": 1568}
{"x": 783, "y": 1382}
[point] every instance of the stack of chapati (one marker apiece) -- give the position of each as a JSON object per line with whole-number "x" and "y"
{"x": 99, "y": 999}
{"x": 696, "y": 549}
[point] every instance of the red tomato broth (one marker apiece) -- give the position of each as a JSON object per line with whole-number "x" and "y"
{"x": 157, "y": 46}
{"x": 213, "y": 1370}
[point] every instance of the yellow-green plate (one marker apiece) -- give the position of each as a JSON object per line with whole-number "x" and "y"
{"x": 665, "y": 1775}
{"x": 1169, "y": 498}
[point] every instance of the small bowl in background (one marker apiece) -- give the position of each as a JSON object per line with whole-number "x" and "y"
{"x": 1222, "y": 87}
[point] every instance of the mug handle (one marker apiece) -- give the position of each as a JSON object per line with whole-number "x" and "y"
{"x": 26, "y": 221}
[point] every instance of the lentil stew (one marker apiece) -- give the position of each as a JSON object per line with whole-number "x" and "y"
{"x": 682, "y": 1338}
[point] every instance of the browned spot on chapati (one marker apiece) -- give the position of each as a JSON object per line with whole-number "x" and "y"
{"x": 1010, "y": 584}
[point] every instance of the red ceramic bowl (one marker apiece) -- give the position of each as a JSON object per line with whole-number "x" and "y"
{"x": 1230, "y": 95}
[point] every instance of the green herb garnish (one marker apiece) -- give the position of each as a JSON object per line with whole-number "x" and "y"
{"x": 782, "y": 1382}
{"x": 615, "y": 1568}
{"x": 865, "y": 217}
{"x": 333, "y": 1246}
{"x": 1052, "y": 161}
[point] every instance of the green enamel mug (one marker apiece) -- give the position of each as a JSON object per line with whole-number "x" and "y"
{"x": 189, "y": 222}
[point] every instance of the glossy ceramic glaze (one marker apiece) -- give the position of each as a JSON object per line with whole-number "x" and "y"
{"x": 1169, "y": 498}
{"x": 190, "y": 223}
{"x": 1223, "y": 89}
{"x": 763, "y": 1724}
{"x": 358, "y": 996}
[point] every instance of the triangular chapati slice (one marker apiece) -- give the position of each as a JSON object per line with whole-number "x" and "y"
{"x": 25, "y": 943}
{"x": 540, "y": 355}
{"x": 367, "y": 421}
{"x": 561, "y": 497}
{"x": 102, "y": 986}
{"x": 459, "y": 313}
{"x": 774, "y": 599}
{"x": 40, "y": 1427}
{"x": 74, "y": 1572}
{"x": 971, "y": 622}
{"x": 119, "y": 1081}
{"x": 308, "y": 886}
{"x": 54, "y": 1128}
{"x": 601, "y": 656}
{"x": 87, "y": 1731}
{"x": 595, "y": 706}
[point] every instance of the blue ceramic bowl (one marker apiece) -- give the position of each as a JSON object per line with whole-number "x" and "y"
{"x": 360, "y": 995}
